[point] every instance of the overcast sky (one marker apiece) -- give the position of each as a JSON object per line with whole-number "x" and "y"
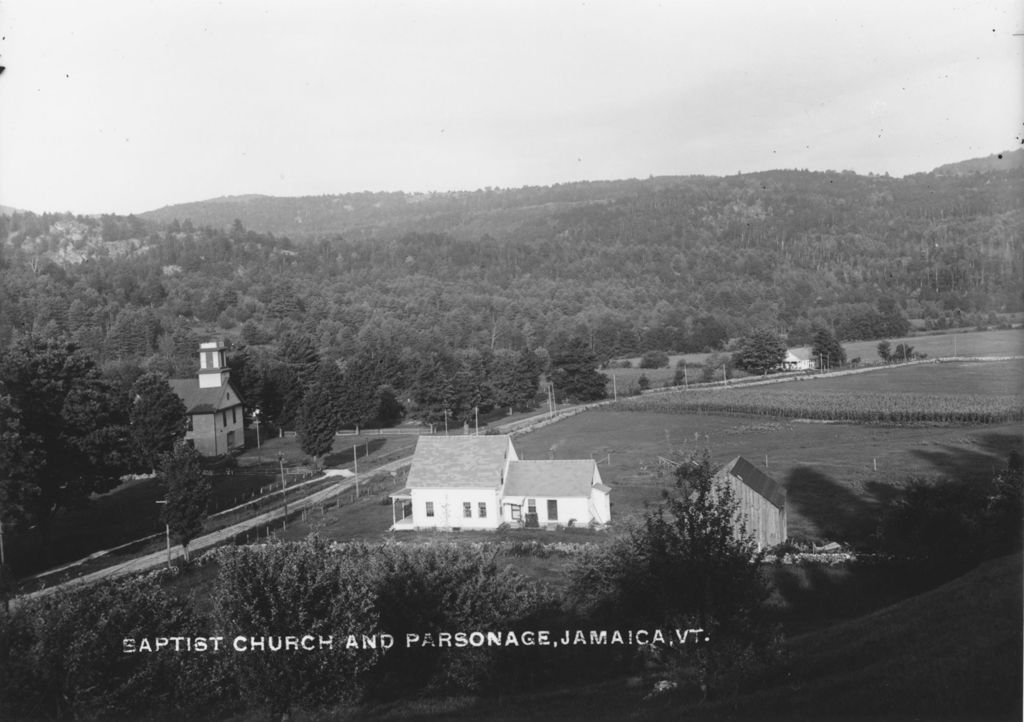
{"x": 125, "y": 106}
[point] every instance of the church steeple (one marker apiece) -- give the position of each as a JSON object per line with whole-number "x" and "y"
{"x": 213, "y": 367}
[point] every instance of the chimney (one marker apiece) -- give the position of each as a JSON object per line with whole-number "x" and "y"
{"x": 213, "y": 369}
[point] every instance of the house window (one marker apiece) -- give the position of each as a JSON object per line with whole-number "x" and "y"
{"x": 552, "y": 509}
{"x": 231, "y": 439}
{"x": 483, "y": 510}
{"x": 190, "y": 424}
{"x": 531, "y": 506}
{"x": 517, "y": 511}
{"x": 224, "y": 418}
{"x": 234, "y": 420}
{"x": 467, "y": 509}
{"x": 430, "y": 508}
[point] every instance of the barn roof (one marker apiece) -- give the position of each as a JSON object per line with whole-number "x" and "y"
{"x": 556, "y": 478}
{"x": 756, "y": 479}
{"x": 458, "y": 462}
{"x": 204, "y": 401}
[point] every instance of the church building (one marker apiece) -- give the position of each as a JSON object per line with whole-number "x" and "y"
{"x": 213, "y": 405}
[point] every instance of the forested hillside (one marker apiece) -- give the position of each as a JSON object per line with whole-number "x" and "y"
{"x": 680, "y": 263}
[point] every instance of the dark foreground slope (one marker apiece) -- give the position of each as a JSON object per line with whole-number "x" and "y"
{"x": 953, "y": 653}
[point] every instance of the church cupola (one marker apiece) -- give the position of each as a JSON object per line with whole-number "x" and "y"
{"x": 213, "y": 367}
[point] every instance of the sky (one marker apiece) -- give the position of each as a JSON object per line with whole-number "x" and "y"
{"x": 124, "y": 106}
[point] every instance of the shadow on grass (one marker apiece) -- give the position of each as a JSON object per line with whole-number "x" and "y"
{"x": 983, "y": 462}
{"x": 813, "y": 596}
{"x": 836, "y": 512}
{"x": 347, "y": 455}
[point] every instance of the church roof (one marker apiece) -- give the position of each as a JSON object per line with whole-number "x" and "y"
{"x": 205, "y": 401}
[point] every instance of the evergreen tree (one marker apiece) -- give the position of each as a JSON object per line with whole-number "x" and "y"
{"x": 826, "y": 349}
{"x": 320, "y": 415}
{"x": 574, "y": 373}
{"x": 158, "y": 418}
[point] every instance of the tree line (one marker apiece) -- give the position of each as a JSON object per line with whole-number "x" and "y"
{"x": 674, "y": 264}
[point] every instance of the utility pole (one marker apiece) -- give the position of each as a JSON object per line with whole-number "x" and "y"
{"x": 256, "y": 423}
{"x": 284, "y": 489}
{"x": 615, "y": 389}
{"x": 476, "y": 416}
{"x": 167, "y": 531}
{"x": 686, "y": 383}
{"x": 446, "y": 421}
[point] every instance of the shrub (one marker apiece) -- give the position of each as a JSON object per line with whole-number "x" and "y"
{"x": 64, "y": 656}
{"x": 296, "y": 589}
{"x": 445, "y": 588}
{"x": 654, "y": 360}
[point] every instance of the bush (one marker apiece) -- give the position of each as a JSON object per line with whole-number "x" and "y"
{"x": 654, "y": 360}
{"x": 296, "y": 589}
{"x": 64, "y": 657}
{"x": 444, "y": 588}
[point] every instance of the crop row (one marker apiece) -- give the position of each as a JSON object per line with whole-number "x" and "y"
{"x": 896, "y": 408}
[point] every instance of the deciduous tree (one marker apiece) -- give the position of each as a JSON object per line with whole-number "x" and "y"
{"x": 760, "y": 352}
{"x": 188, "y": 494}
{"x": 71, "y": 423}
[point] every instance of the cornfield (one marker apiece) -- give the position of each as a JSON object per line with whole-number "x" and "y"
{"x": 887, "y": 408}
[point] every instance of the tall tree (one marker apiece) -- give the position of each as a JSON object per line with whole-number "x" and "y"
{"x": 72, "y": 423}
{"x": 320, "y": 414}
{"x": 158, "y": 418}
{"x": 574, "y": 372}
{"x": 827, "y": 350}
{"x": 188, "y": 494}
{"x": 690, "y": 564}
{"x": 760, "y": 352}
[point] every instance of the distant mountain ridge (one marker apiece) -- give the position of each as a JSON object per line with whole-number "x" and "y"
{"x": 1009, "y": 160}
{"x": 470, "y": 215}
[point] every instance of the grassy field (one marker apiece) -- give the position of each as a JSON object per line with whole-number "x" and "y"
{"x": 949, "y": 378}
{"x": 1009, "y": 342}
{"x": 964, "y": 343}
{"x": 836, "y": 475}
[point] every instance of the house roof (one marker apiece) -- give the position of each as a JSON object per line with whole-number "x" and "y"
{"x": 756, "y": 479}
{"x": 559, "y": 478}
{"x": 798, "y": 354}
{"x": 204, "y": 401}
{"x": 458, "y": 462}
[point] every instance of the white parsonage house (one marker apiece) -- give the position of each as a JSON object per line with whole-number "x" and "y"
{"x": 479, "y": 482}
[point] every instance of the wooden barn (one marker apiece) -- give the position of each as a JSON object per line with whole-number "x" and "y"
{"x": 762, "y": 501}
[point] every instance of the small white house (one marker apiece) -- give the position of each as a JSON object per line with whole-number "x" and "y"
{"x": 479, "y": 482}
{"x": 798, "y": 360}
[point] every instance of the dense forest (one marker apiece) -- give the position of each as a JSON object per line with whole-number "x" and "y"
{"x": 673, "y": 264}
